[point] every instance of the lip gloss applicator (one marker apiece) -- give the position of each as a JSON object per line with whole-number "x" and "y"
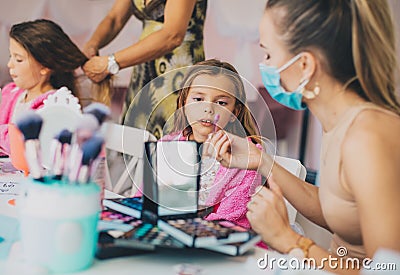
{"x": 216, "y": 119}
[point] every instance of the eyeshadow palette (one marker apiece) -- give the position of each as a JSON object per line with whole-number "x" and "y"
{"x": 113, "y": 220}
{"x": 115, "y": 216}
{"x": 108, "y": 248}
{"x": 148, "y": 233}
{"x": 198, "y": 232}
{"x": 170, "y": 217}
{"x": 127, "y": 229}
{"x": 128, "y": 206}
{"x": 236, "y": 249}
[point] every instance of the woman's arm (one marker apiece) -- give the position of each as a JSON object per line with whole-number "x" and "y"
{"x": 234, "y": 151}
{"x": 177, "y": 15}
{"x": 302, "y": 195}
{"x": 109, "y": 27}
{"x": 371, "y": 169}
{"x": 268, "y": 217}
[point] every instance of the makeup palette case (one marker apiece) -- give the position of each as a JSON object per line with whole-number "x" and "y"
{"x": 170, "y": 201}
{"x": 171, "y": 185}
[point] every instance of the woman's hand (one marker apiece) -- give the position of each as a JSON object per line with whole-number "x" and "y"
{"x": 96, "y": 68}
{"x": 233, "y": 151}
{"x": 90, "y": 50}
{"x": 268, "y": 217}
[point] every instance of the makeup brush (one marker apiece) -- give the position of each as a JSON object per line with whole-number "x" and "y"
{"x": 99, "y": 110}
{"x": 65, "y": 136}
{"x": 90, "y": 151}
{"x": 30, "y": 124}
{"x": 74, "y": 165}
{"x": 85, "y": 129}
{"x": 59, "y": 152}
{"x": 216, "y": 119}
{"x": 87, "y": 125}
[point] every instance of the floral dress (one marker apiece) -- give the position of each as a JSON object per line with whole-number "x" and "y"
{"x": 152, "y": 103}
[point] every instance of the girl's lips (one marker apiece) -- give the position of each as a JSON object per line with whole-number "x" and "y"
{"x": 206, "y": 122}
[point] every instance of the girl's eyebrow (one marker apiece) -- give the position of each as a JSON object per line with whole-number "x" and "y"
{"x": 217, "y": 96}
{"x": 224, "y": 96}
{"x": 194, "y": 91}
{"x": 16, "y": 54}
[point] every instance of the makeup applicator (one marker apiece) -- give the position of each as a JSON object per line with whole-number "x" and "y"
{"x": 30, "y": 124}
{"x": 90, "y": 151}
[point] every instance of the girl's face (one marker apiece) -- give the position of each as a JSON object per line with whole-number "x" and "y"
{"x": 24, "y": 69}
{"x": 208, "y": 96}
{"x": 276, "y": 52}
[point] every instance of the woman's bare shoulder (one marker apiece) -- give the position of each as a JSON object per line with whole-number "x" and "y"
{"x": 374, "y": 124}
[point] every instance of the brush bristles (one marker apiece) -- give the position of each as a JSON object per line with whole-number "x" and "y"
{"x": 64, "y": 136}
{"x": 100, "y": 111}
{"x": 91, "y": 149}
{"x": 30, "y": 125}
{"x": 88, "y": 122}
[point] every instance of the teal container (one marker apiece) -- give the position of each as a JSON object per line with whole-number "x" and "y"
{"x": 59, "y": 224}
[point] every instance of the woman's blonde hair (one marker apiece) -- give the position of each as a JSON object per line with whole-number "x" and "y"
{"x": 356, "y": 38}
{"x": 243, "y": 126}
{"x": 102, "y": 92}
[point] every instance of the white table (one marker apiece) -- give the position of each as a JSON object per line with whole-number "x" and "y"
{"x": 159, "y": 262}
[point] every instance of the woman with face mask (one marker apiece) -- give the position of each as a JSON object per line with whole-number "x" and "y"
{"x": 338, "y": 59}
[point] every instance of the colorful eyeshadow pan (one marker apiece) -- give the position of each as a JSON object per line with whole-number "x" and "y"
{"x": 141, "y": 231}
{"x": 202, "y": 228}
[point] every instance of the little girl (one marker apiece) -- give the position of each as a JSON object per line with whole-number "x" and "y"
{"x": 42, "y": 59}
{"x": 213, "y": 98}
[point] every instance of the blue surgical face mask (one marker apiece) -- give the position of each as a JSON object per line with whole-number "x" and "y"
{"x": 271, "y": 79}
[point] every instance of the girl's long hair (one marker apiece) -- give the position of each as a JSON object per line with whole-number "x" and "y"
{"x": 49, "y": 45}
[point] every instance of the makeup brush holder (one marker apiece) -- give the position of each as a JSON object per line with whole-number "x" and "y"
{"x": 59, "y": 224}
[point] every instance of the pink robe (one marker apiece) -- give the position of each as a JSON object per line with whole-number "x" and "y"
{"x": 231, "y": 192}
{"x": 9, "y": 97}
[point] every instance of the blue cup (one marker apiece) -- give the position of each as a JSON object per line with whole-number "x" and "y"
{"x": 59, "y": 224}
